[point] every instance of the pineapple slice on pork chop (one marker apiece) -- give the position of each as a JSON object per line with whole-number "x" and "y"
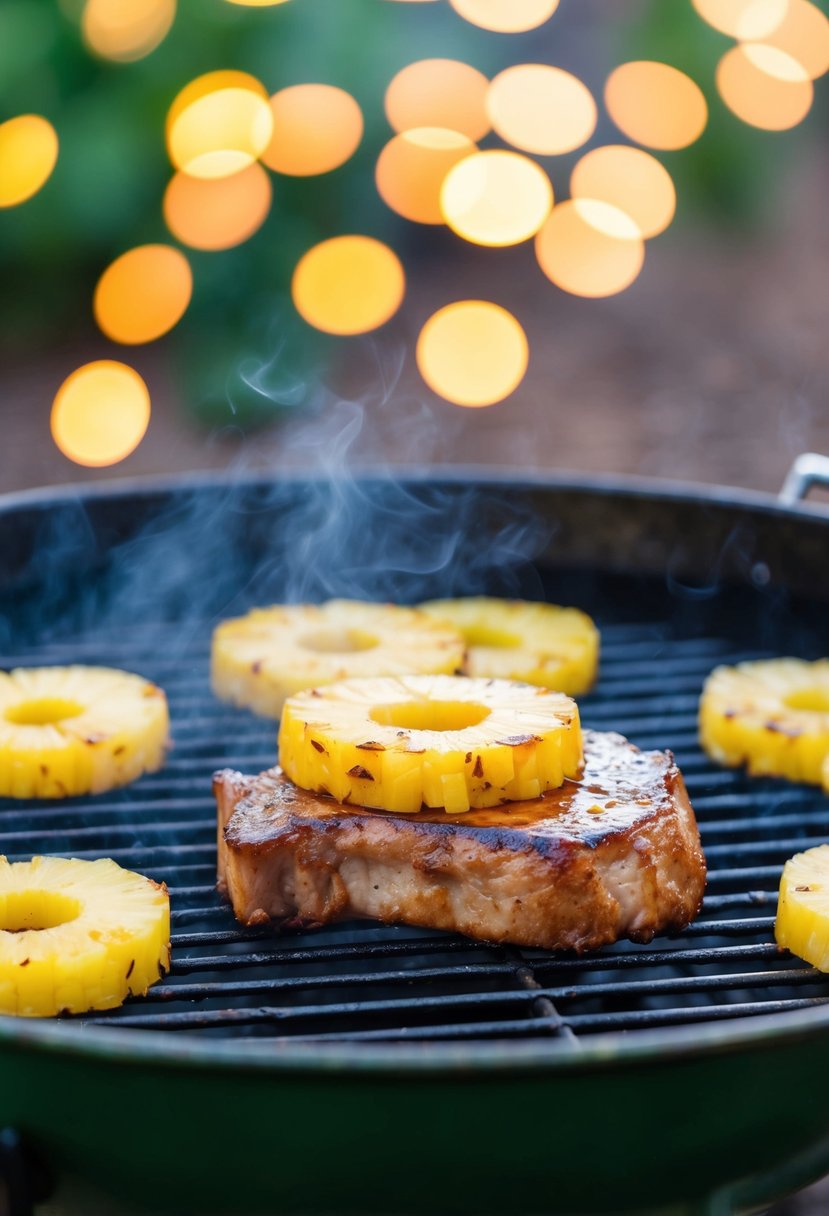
{"x": 613, "y": 854}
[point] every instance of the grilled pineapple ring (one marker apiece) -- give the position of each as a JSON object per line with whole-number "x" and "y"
{"x": 515, "y": 640}
{"x": 802, "y": 923}
{"x": 439, "y": 741}
{"x": 77, "y": 730}
{"x": 771, "y": 715}
{"x": 260, "y": 659}
{"x": 78, "y": 935}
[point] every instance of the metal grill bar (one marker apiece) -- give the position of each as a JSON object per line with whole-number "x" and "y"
{"x": 362, "y": 982}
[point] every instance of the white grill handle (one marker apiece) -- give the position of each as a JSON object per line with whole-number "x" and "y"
{"x": 808, "y": 470}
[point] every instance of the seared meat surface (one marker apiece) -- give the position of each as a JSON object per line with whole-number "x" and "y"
{"x": 615, "y": 854}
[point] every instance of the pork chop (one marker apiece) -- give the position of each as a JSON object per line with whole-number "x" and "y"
{"x": 614, "y": 854}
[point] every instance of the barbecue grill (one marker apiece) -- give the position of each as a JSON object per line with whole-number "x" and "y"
{"x": 367, "y": 1068}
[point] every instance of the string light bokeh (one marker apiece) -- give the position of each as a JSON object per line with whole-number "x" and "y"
{"x": 531, "y": 153}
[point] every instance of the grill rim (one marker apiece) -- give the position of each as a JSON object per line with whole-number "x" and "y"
{"x": 595, "y": 1053}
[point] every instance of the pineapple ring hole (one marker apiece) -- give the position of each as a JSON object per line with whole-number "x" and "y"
{"x": 338, "y": 641}
{"x": 814, "y": 699}
{"x": 24, "y": 910}
{"x": 430, "y": 715}
{"x": 483, "y": 635}
{"x": 44, "y": 711}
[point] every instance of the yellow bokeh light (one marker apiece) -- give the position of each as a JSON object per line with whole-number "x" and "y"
{"x": 656, "y": 104}
{"x": 472, "y": 353}
{"x": 590, "y": 248}
{"x": 316, "y": 128}
{"x": 126, "y": 30}
{"x": 631, "y": 180}
{"x": 220, "y": 212}
{"x": 541, "y": 109}
{"x": 28, "y": 153}
{"x": 496, "y": 198}
{"x": 744, "y": 19}
{"x": 506, "y": 16}
{"x": 439, "y": 93}
{"x": 100, "y": 413}
{"x": 764, "y": 87}
{"x": 804, "y": 34}
{"x": 218, "y": 124}
{"x": 348, "y": 285}
{"x": 143, "y": 294}
{"x": 412, "y": 168}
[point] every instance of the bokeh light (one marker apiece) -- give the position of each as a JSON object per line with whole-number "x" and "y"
{"x": 541, "y": 109}
{"x": 126, "y": 30}
{"x": 506, "y": 16}
{"x": 439, "y": 93}
{"x": 100, "y": 413}
{"x": 220, "y": 212}
{"x": 473, "y": 353}
{"x": 804, "y": 34}
{"x": 590, "y": 248}
{"x": 316, "y": 128}
{"x": 412, "y": 168}
{"x": 744, "y": 19}
{"x": 28, "y": 154}
{"x": 496, "y": 198}
{"x": 656, "y": 104}
{"x": 143, "y": 294}
{"x": 218, "y": 124}
{"x": 631, "y": 180}
{"x": 348, "y": 285}
{"x": 764, "y": 86}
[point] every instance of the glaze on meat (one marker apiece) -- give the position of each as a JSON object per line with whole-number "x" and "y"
{"x": 615, "y": 854}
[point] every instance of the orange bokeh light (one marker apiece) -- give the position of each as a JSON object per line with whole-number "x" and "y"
{"x": 506, "y": 16}
{"x": 541, "y": 109}
{"x": 744, "y": 19}
{"x": 316, "y": 128}
{"x": 28, "y": 154}
{"x": 656, "y": 104}
{"x": 126, "y": 30}
{"x": 218, "y": 124}
{"x": 764, "y": 86}
{"x": 590, "y": 248}
{"x": 804, "y": 34}
{"x": 439, "y": 93}
{"x": 412, "y": 168}
{"x": 631, "y": 180}
{"x": 100, "y": 413}
{"x": 473, "y": 353}
{"x": 220, "y": 212}
{"x": 496, "y": 198}
{"x": 143, "y": 294}
{"x": 348, "y": 285}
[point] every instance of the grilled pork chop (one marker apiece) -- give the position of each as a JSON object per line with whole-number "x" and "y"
{"x": 615, "y": 854}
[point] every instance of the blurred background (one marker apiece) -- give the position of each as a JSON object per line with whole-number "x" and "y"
{"x": 635, "y": 193}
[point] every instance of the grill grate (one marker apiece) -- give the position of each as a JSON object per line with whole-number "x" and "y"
{"x": 369, "y": 982}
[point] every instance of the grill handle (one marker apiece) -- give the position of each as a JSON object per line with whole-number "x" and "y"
{"x": 808, "y": 470}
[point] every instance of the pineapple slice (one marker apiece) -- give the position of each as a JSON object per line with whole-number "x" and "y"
{"x": 78, "y": 935}
{"x": 76, "y": 730}
{"x": 516, "y": 640}
{"x": 397, "y": 744}
{"x": 802, "y": 923}
{"x": 260, "y": 659}
{"x": 771, "y": 715}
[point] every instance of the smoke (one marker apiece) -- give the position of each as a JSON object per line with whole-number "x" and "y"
{"x": 336, "y": 520}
